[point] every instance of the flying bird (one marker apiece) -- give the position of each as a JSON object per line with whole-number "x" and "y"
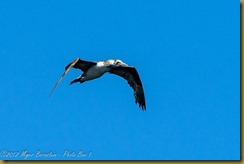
{"x": 92, "y": 70}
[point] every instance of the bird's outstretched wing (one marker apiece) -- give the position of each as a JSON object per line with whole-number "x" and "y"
{"x": 131, "y": 75}
{"x": 77, "y": 63}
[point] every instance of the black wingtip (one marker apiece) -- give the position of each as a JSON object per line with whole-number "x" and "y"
{"x": 143, "y": 107}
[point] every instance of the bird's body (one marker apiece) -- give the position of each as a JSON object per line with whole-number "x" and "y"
{"x": 96, "y": 71}
{"x": 93, "y": 70}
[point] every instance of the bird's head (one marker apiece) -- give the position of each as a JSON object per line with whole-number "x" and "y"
{"x": 119, "y": 63}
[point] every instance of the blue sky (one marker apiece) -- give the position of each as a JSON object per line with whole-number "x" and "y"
{"x": 187, "y": 55}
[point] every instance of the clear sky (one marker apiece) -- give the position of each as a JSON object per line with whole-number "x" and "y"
{"x": 187, "y": 55}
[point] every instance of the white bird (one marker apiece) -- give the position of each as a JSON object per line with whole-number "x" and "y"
{"x": 93, "y": 70}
